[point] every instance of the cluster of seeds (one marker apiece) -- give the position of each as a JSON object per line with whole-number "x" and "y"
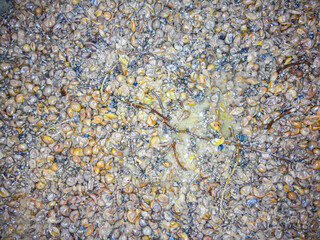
{"x": 170, "y": 119}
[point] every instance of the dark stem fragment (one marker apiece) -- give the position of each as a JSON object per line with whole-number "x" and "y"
{"x": 256, "y": 150}
{"x": 159, "y": 114}
{"x": 176, "y": 156}
{"x": 151, "y": 110}
{"x": 166, "y": 151}
{"x": 279, "y": 117}
{"x": 159, "y": 100}
{"x": 293, "y": 64}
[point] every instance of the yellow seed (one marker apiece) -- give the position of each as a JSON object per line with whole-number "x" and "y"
{"x": 299, "y": 189}
{"x": 19, "y": 98}
{"x": 90, "y": 229}
{"x": 96, "y": 171}
{"x": 120, "y": 78}
{"x": 316, "y": 203}
{"x": 100, "y": 164}
{"x": 317, "y": 187}
{"x": 202, "y": 79}
{"x": 54, "y": 167}
{"x": 257, "y": 192}
{"x": 78, "y": 152}
{"x": 98, "y": 13}
{"x": 247, "y": 130}
{"x": 186, "y": 38}
{"x": 87, "y": 122}
{"x": 225, "y": 27}
{"x": 10, "y": 230}
{"x": 174, "y": 225}
{"x": 252, "y": 81}
{"x": 46, "y": 139}
{"x": 239, "y": 79}
{"x": 75, "y": 2}
{"x": 296, "y": 124}
{"x": 40, "y": 124}
{"x": 252, "y": 16}
{"x": 50, "y": 158}
{"x": 54, "y": 232}
{"x": 130, "y": 80}
{"x": 262, "y": 168}
{"x": 114, "y": 152}
{"x": 132, "y": 216}
{"x": 215, "y": 125}
{"x": 316, "y": 165}
{"x": 26, "y": 47}
{"x": 140, "y": 71}
{"x": 246, "y": 190}
{"x": 191, "y": 102}
{"x": 155, "y": 141}
{"x": 148, "y": 198}
{"x": 278, "y": 88}
{"x": 4, "y": 192}
{"x": 152, "y": 120}
{"x": 211, "y": 67}
{"x": 167, "y": 164}
{"x": 109, "y": 165}
{"x": 87, "y": 150}
{"x": 103, "y": 110}
{"x": 170, "y": 94}
{"x": 107, "y": 15}
{"x": 40, "y": 185}
{"x": 93, "y": 67}
{"x": 76, "y": 159}
{"x": 237, "y": 111}
{"x": 133, "y": 25}
{"x": 68, "y": 134}
{"x": 218, "y": 29}
{"x": 70, "y": 112}
{"x": 52, "y": 203}
{"x": 128, "y": 189}
{"x": 20, "y": 229}
{"x": 111, "y": 116}
{"x": 217, "y": 141}
{"x": 292, "y": 195}
{"x": 183, "y": 96}
{"x": 102, "y": 34}
{"x": 109, "y": 178}
{"x": 95, "y": 149}
{"x": 75, "y": 106}
{"x": 184, "y": 236}
{"x": 97, "y": 119}
{"x": 148, "y": 100}
{"x": 314, "y": 128}
{"x": 48, "y": 174}
{"x": 286, "y": 187}
{"x": 38, "y": 13}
